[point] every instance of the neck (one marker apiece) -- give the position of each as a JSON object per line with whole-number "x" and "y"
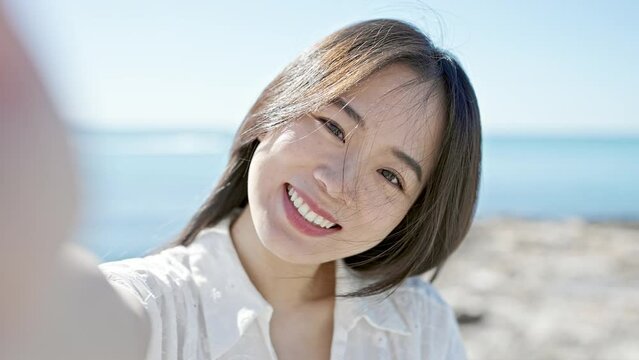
{"x": 281, "y": 283}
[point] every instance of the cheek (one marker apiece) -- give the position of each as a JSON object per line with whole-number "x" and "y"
{"x": 377, "y": 199}
{"x": 368, "y": 234}
{"x": 377, "y": 214}
{"x": 293, "y": 142}
{"x": 276, "y": 157}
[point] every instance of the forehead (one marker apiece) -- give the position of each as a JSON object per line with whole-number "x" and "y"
{"x": 399, "y": 112}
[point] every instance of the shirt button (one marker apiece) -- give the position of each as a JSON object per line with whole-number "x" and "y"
{"x": 244, "y": 318}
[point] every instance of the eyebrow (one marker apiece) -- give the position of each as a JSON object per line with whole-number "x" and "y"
{"x": 401, "y": 155}
{"x": 414, "y": 165}
{"x": 354, "y": 115}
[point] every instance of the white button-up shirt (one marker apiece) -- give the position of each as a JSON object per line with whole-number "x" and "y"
{"x": 202, "y": 305}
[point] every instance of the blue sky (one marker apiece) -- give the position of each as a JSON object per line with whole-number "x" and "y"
{"x": 539, "y": 67}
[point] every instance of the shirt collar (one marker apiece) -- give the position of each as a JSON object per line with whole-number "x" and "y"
{"x": 229, "y": 297}
{"x": 381, "y": 311}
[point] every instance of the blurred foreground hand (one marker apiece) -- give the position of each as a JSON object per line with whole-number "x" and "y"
{"x": 37, "y": 185}
{"x": 54, "y": 303}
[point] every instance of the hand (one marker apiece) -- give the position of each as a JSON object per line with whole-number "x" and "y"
{"x": 37, "y": 186}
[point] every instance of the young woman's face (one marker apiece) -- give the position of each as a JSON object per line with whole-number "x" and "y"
{"x": 360, "y": 176}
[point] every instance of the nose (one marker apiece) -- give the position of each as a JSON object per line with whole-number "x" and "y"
{"x": 336, "y": 181}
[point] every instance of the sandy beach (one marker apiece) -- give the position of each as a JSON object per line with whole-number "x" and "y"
{"x": 547, "y": 289}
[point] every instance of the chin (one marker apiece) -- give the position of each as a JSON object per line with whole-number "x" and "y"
{"x": 291, "y": 250}
{"x": 295, "y": 251}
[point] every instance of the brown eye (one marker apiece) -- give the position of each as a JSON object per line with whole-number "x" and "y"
{"x": 332, "y": 127}
{"x": 392, "y": 178}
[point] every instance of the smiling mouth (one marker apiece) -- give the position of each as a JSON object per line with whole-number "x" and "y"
{"x": 305, "y": 211}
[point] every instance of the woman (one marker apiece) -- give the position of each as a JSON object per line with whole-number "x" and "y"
{"x": 355, "y": 171}
{"x": 356, "y": 168}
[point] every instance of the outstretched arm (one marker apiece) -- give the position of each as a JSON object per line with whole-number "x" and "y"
{"x": 54, "y": 302}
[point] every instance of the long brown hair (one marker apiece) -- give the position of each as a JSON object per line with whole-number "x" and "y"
{"x": 442, "y": 214}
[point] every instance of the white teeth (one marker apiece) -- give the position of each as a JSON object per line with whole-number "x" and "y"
{"x": 306, "y": 212}
{"x": 310, "y": 216}
{"x": 303, "y": 209}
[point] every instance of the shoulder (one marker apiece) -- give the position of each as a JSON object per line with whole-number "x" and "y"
{"x": 417, "y": 293}
{"x": 422, "y": 290}
{"x": 169, "y": 287}
{"x": 179, "y": 269}
{"x": 431, "y": 317}
{"x": 172, "y": 267}
{"x": 168, "y": 268}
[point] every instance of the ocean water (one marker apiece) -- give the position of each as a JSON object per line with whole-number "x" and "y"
{"x": 140, "y": 188}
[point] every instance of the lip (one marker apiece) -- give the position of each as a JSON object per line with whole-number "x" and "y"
{"x": 298, "y": 221}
